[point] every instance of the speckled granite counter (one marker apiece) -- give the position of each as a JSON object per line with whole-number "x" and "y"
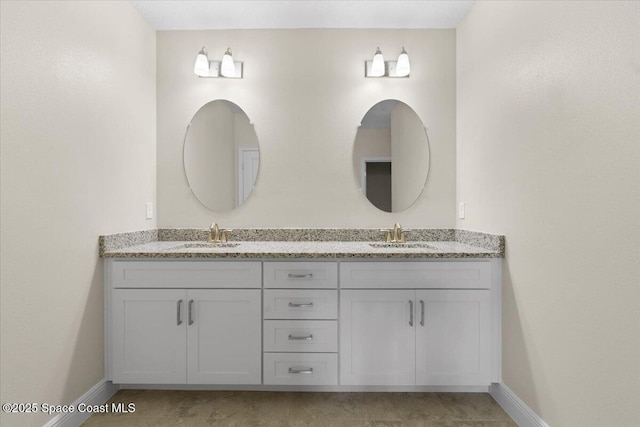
{"x": 302, "y": 243}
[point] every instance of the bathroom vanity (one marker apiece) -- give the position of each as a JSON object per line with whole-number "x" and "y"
{"x": 308, "y": 314}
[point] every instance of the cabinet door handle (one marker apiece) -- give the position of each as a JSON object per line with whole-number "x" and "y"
{"x": 421, "y": 313}
{"x": 307, "y": 338}
{"x": 300, "y": 276}
{"x": 190, "y": 312}
{"x": 301, "y": 371}
{"x": 179, "y": 320}
{"x": 304, "y": 304}
{"x": 410, "y": 313}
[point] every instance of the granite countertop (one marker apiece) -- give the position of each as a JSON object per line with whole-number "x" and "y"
{"x": 301, "y": 243}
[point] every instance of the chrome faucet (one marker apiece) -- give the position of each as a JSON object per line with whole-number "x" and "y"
{"x": 217, "y": 234}
{"x": 395, "y": 234}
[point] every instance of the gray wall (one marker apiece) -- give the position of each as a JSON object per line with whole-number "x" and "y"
{"x": 549, "y": 154}
{"x": 77, "y": 160}
{"x": 306, "y": 93}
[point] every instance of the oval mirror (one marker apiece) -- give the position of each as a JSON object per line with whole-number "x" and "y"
{"x": 221, "y": 155}
{"x": 391, "y": 156}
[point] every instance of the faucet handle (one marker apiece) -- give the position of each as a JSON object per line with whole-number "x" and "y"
{"x": 403, "y": 237}
{"x": 388, "y": 234}
{"x": 224, "y": 235}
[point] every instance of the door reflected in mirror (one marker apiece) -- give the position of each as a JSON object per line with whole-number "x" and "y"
{"x": 221, "y": 156}
{"x": 391, "y": 156}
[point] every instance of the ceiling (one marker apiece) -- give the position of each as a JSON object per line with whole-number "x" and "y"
{"x": 262, "y": 14}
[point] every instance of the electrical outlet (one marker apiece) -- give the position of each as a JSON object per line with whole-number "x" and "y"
{"x": 461, "y": 210}
{"x": 149, "y": 210}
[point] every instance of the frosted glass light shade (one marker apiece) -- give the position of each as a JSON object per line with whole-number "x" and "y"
{"x": 202, "y": 64}
{"x": 228, "y": 68}
{"x": 377, "y": 66}
{"x": 403, "y": 68}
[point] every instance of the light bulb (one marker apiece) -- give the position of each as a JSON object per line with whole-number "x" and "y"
{"x": 228, "y": 68}
{"x": 202, "y": 64}
{"x": 377, "y": 66}
{"x": 403, "y": 68}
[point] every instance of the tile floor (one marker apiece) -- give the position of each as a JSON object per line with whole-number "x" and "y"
{"x": 270, "y": 409}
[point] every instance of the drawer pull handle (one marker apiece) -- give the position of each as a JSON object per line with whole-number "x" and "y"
{"x": 300, "y": 276}
{"x": 179, "y": 320}
{"x": 307, "y": 338}
{"x": 304, "y": 304}
{"x": 301, "y": 371}
{"x": 190, "y": 312}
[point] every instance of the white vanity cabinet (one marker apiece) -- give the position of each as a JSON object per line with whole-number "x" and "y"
{"x": 341, "y": 324}
{"x": 180, "y": 335}
{"x": 439, "y": 333}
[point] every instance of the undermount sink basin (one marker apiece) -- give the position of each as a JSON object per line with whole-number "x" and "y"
{"x": 203, "y": 245}
{"x": 385, "y": 245}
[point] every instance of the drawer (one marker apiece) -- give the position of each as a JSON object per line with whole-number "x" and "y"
{"x": 300, "y": 369}
{"x": 307, "y": 275}
{"x": 185, "y": 274}
{"x": 301, "y": 335}
{"x": 416, "y": 275}
{"x": 300, "y": 304}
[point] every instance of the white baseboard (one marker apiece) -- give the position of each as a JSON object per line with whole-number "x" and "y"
{"x": 515, "y": 407}
{"x": 96, "y": 395}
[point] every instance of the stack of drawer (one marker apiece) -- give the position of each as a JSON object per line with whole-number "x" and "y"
{"x": 300, "y": 323}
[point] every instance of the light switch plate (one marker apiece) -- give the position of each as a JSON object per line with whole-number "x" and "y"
{"x": 461, "y": 210}
{"x": 149, "y": 210}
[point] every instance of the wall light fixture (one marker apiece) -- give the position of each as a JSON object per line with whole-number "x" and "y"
{"x": 225, "y": 68}
{"x": 377, "y": 65}
{"x": 379, "y": 68}
{"x": 403, "y": 68}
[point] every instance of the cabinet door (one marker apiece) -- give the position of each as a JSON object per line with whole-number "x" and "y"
{"x": 224, "y": 336}
{"x": 453, "y": 337}
{"x": 148, "y": 336}
{"x": 377, "y": 337}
